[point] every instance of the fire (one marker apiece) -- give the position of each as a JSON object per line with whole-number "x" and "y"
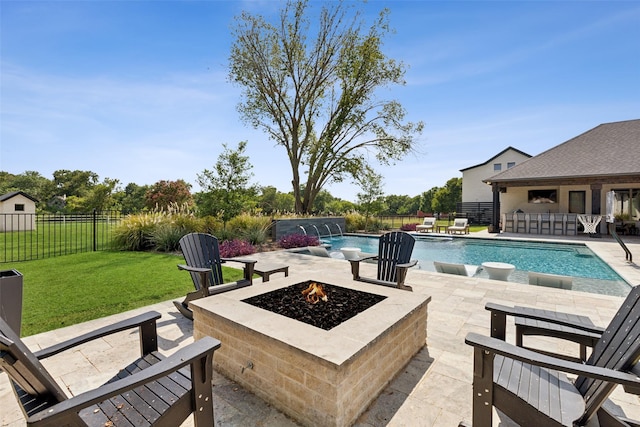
{"x": 315, "y": 293}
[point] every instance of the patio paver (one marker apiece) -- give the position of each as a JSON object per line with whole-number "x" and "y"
{"x": 434, "y": 389}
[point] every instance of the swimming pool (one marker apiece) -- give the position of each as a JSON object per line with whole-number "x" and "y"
{"x": 590, "y": 273}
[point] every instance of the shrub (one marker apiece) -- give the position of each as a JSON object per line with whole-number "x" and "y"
{"x": 409, "y": 227}
{"x": 135, "y": 232}
{"x": 236, "y": 247}
{"x": 166, "y": 237}
{"x": 254, "y": 229}
{"x": 297, "y": 241}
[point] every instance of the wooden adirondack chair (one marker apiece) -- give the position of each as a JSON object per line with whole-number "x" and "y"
{"x": 531, "y": 388}
{"x": 202, "y": 254}
{"x": 394, "y": 259}
{"x": 151, "y": 391}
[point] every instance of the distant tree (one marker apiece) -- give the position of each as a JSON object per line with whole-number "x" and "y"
{"x": 271, "y": 201}
{"x": 163, "y": 194}
{"x": 446, "y": 198}
{"x": 340, "y": 207}
{"x": 132, "y": 198}
{"x": 100, "y": 196}
{"x": 31, "y": 182}
{"x": 315, "y": 93}
{"x": 73, "y": 183}
{"x": 370, "y": 200}
{"x": 426, "y": 200}
{"x": 226, "y": 188}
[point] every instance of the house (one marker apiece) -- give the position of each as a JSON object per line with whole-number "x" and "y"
{"x": 575, "y": 176}
{"x": 17, "y": 212}
{"x": 474, "y": 189}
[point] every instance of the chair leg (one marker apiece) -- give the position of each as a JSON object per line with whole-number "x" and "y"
{"x": 201, "y": 377}
{"x": 482, "y": 388}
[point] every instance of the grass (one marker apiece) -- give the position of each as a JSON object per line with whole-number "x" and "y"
{"x": 71, "y": 289}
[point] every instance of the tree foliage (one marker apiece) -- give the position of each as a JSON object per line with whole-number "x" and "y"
{"x": 226, "y": 188}
{"x": 164, "y": 194}
{"x": 370, "y": 199}
{"x": 312, "y": 89}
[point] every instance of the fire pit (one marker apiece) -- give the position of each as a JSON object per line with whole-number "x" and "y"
{"x": 303, "y": 302}
{"x": 318, "y": 376}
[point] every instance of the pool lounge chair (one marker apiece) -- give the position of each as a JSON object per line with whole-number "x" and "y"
{"x": 460, "y": 225}
{"x": 427, "y": 225}
{"x": 550, "y": 280}
{"x": 532, "y": 388}
{"x": 459, "y": 269}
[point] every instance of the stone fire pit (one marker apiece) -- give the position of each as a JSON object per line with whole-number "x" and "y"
{"x": 318, "y": 377}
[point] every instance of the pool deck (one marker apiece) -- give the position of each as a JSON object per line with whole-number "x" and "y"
{"x": 434, "y": 389}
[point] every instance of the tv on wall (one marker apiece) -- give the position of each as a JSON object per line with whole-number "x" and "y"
{"x": 543, "y": 196}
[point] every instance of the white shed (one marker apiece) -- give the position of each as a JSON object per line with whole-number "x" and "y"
{"x": 17, "y": 212}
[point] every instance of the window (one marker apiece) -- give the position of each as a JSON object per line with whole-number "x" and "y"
{"x": 497, "y": 167}
{"x": 510, "y": 165}
{"x": 18, "y": 207}
{"x": 577, "y": 202}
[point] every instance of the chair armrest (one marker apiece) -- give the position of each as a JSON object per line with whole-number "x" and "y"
{"x": 193, "y": 269}
{"x": 409, "y": 264}
{"x": 249, "y": 265}
{"x": 189, "y": 355}
{"x": 499, "y": 313}
{"x": 496, "y": 346}
{"x": 148, "y": 336}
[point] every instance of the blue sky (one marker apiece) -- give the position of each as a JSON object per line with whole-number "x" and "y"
{"x": 138, "y": 90}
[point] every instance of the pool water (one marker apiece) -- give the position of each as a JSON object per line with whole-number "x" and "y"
{"x": 590, "y": 273}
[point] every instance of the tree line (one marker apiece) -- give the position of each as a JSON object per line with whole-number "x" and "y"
{"x": 83, "y": 191}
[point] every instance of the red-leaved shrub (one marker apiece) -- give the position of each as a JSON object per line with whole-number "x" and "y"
{"x": 235, "y": 247}
{"x": 297, "y": 241}
{"x": 408, "y": 227}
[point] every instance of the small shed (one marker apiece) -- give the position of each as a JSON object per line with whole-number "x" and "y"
{"x": 17, "y": 212}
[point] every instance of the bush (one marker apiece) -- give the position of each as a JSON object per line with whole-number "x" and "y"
{"x": 297, "y": 241}
{"x": 254, "y": 229}
{"x": 135, "y": 232}
{"x": 236, "y": 247}
{"x": 409, "y": 227}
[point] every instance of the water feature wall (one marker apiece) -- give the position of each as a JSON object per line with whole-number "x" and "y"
{"x": 323, "y": 226}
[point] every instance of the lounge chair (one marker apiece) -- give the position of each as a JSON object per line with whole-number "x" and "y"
{"x": 152, "y": 390}
{"x": 550, "y": 280}
{"x": 459, "y": 269}
{"x": 202, "y": 254}
{"x": 427, "y": 225}
{"x": 531, "y": 388}
{"x": 320, "y": 251}
{"x": 394, "y": 260}
{"x": 460, "y": 225}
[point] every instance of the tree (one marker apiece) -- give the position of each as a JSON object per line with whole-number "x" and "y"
{"x": 370, "y": 199}
{"x": 226, "y": 187}
{"x": 163, "y": 194}
{"x": 446, "y": 198}
{"x": 314, "y": 94}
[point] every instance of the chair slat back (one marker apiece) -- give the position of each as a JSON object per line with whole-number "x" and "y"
{"x": 201, "y": 250}
{"x": 393, "y": 248}
{"x": 24, "y": 368}
{"x": 619, "y": 349}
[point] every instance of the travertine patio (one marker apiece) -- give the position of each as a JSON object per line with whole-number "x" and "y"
{"x": 434, "y": 389}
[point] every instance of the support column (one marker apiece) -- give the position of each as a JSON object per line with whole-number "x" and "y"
{"x": 495, "y": 217}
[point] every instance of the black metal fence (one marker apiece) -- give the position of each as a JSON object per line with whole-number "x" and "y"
{"x": 25, "y": 237}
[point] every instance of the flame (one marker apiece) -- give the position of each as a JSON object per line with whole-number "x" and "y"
{"x": 315, "y": 293}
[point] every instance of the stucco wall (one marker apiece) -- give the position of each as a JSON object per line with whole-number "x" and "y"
{"x": 473, "y": 189}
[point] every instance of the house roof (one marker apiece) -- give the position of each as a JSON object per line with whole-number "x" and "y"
{"x": 496, "y": 156}
{"x": 8, "y": 196}
{"x": 608, "y": 150}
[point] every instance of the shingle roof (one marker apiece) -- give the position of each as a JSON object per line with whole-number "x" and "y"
{"x": 610, "y": 149}
{"x": 496, "y": 156}
{"x": 7, "y": 196}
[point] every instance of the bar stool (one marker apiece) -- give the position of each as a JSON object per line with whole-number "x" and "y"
{"x": 558, "y": 223}
{"x": 521, "y": 219}
{"x": 545, "y": 223}
{"x": 508, "y": 222}
{"x": 534, "y": 223}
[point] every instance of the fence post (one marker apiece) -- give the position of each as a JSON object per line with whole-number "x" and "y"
{"x": 95, "y": 230}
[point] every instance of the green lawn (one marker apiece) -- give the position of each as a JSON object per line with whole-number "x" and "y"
{"x": 70, "y": 289}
